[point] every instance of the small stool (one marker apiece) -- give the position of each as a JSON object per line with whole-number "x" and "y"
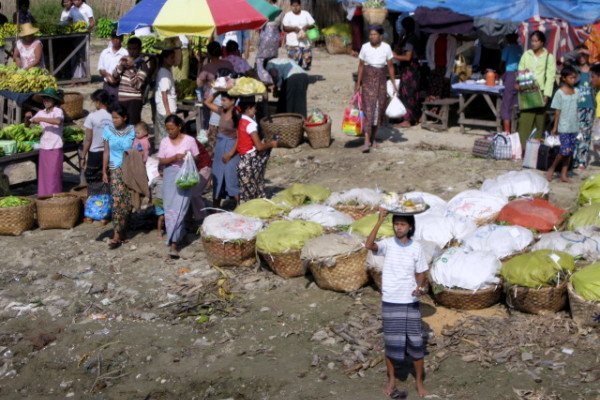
{"x": 437, "y": 121}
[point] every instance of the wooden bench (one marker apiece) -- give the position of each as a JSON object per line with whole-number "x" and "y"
{"x": 437, "y": 121}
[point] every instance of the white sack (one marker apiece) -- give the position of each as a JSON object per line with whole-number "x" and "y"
{"x": 461, "y": 268}
{"x": 503, "y": 241}
{"x": 442, "y": 228}
{"x": 576, "y": 244}
{"x": 430, "y": 251}
{"x": 476, "y": 205}
{"x": 515, "y": 184}
{"x": 357, "y": 196}
{"x": 327, "y": 216}
{"x": 228, "y": 226}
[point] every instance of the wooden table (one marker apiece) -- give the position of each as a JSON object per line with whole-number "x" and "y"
{"x": 493, "y": 98}
{"x": 70, "y": 150}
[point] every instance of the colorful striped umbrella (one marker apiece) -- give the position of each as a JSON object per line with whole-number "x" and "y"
{"x": 192, "y": 17}
{"x": 265, "y": 8}
{"x": 561, "y": 37}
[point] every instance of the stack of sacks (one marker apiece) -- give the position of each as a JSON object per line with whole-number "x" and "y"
{"x": 327, "y": 216}
{"x": 517, "y": 184}
{"x": 502, "y": 241}
{"x": 461, "y": 268}
{"x": 478, "y": 206}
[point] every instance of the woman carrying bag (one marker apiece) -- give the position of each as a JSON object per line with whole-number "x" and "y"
{"x": 543, "y": 66}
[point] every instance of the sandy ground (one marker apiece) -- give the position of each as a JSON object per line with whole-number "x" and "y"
{"x": 80, "y": 321}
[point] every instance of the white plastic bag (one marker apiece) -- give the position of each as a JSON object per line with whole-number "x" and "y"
{"x": 515, "y": 184}
{"x": 552, "y": 140}
{"x": 395, "y": 109}
{"x": 517, "y": 149}
{"x": 228, "y": 226}
{"x": 389, "y": 88}
{"x": 476, "y": 205}
{"x": 188, "y": 176}
{"x": 503, "y": 241}
{"x": 470, "y": 270}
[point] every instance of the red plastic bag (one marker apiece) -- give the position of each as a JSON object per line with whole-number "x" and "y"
{"x": 536, "y": 214}
{"x": 353, "y": 117}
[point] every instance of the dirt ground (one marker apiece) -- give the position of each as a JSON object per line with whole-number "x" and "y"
{"x": 80, "y": 321}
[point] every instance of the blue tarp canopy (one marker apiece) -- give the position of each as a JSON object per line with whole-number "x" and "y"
{"x": 575, "y": 12}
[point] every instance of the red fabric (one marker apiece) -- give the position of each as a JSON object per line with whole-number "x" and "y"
{"x": 244, "y": 141}
{"x": 204, "y": 159}
{"x": 536, "y": 214}
{"x": 358, "y": 11}
{"x": 561, "y": 37}
{"x": 235, "y": 15}
{"x": 441, "y": 47}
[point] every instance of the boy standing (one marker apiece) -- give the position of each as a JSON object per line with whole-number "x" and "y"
{"x": 402, "y": 282}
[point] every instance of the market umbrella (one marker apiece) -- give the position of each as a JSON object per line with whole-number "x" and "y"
{"x": 192, "y": 17}
{"x": 561, "y": 37}
{"x": 265, "y": 8}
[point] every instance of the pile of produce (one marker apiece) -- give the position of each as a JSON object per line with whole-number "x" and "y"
{"x": 188, "y": 181}
{"x": 13, "y": 201}
{"x": 7, "y": 31}
{"x": 73, "y": 134}
{"x": 21, "y": 133}
{"x": 25, "y": 81}
{"x": 246, "y": 87}
{"x": 186, "y": 89}
{"x": 104, "y": 28}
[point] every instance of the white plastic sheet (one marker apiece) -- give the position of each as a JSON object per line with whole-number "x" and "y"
{"x": 476, "y": 205}
{"x": 503, "y": 241}
{"x": 228, "y": 226}
{"x": 327, "y": 216}
{"x": 461, "y": 268}
{"x": 516, "y": 183}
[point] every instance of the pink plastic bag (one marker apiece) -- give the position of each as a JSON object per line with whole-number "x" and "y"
{"x": 353, "y": 117}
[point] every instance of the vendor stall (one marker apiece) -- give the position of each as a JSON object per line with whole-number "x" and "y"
{"x": 492, "y": 95}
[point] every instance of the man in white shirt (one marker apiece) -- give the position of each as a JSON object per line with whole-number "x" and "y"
{"x": 109, "y": 59}
{"x": 295, "y": 24}
{"x": 82, "y": 12}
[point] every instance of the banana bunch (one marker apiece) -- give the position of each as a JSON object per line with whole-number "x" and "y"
{"x": 22, "y": 81}
{"x": 78, "y": 27}
{"x": 73, "y": 134}
{"x": 20, "y": 133}
{"x": 104, "y": 28}
{"x": 186, "y": 89}
{"x": 6, "y": 31}
{"x": 148, "y": 44}
{"x": 24, "y": 147}
{"x": 51, "y": 29}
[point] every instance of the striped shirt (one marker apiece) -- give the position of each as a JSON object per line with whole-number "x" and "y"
{"x": 401, "y": 263}
{"x": 131, "y": 82}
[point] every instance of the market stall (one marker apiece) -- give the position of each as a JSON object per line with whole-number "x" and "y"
{"x": 469, "y": 92}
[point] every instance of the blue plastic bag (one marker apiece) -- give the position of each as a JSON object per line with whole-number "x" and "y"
{"x": 98, "y": 207}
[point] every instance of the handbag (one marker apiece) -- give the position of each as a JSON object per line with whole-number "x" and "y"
{"x": 532, "y": 148}
{"x": 531, "y": 96}
{"x": 517, "y": 149}
{"x": 482, "y": 147}
{"x": 353, "y": 117}
{"x": 501, "y": 147}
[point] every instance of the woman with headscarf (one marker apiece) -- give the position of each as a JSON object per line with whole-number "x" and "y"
{"x": 374, "y": 57}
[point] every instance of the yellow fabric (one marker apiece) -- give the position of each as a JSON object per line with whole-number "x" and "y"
{"x": 184, "y": 17}
{"x": 598, "y": 105}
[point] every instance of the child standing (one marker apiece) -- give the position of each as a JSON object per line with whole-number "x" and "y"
{"x": 585, "y": 109}
{"x": 566, "y": 121}
{"x": 50, "y": 165}
{"x": 141, "y": 142}
{"x": 254, "y": 154}
{"x": 402, "y": 283}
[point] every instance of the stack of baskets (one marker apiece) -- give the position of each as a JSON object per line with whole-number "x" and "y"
{"x": 16, "y": 220}
{"x": 73, "y": 105}
{"x": 289, "y": 127}
{"x": 59, "y": 211}
{"x": 319, "y": 135}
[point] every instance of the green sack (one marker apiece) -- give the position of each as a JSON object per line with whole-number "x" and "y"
{"x": 287, "y": 199}
{"x": 589, "y": 192}
{"x": 365, "y": 225}
{"x": 299, "y": 194}
{"x": 586, "y": 282}
{"x": 585, "y": 216}
{"x": 285, "y": 236}
{"x": 538, "y": 268}
{"x": 261, "y": 208}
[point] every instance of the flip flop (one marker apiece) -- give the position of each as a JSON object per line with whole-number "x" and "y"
{"x": 398, "y": 394}
{"x": 112, "y": 244}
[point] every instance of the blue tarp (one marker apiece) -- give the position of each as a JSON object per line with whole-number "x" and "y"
{"x": 575, "y": 12}
{"x": 143, "y": 14}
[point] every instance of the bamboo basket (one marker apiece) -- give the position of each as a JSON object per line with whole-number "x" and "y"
{"x": 357, "y": 211}
{"x": 286, "y": 265}
{"x": 585, "y": 313}
{"x": 16, "y": 220}
{"x": 59, "y": 211}
{"x": 319, "y": 136}
{"x": 348, "y": 274}
{"x": 230, "y": 254}
{"x": 375, "y": 16}
{"x": 336, "y": 44}
{"x": 81, "y": 192}
{"x": 549, "y": 299}
{"x": 289, "y": 127}
{"x": 461, "y": 299}
{"x": 73, "y": 105}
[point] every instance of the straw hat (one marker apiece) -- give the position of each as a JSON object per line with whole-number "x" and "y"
{"x": 27, "y": 30}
